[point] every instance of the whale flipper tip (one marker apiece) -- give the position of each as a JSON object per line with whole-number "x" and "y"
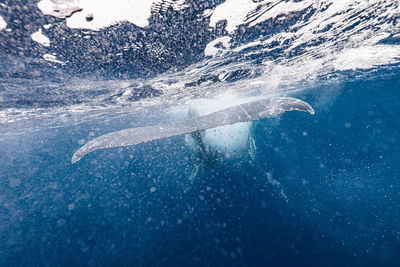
{"x": 75, "y": 158}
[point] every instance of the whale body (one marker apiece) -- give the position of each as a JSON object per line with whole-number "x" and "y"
{"x": 250, "y": 111}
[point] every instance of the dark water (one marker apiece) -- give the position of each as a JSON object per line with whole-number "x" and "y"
{"x": 323, "y": 190}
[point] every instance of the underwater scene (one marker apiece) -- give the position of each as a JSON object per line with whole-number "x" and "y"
{"x": 199, "y": 133}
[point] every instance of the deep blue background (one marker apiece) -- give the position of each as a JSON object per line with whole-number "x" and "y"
{"x": 339, "y": 170}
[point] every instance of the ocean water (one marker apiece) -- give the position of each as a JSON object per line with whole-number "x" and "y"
{"x": 300, "y": 190}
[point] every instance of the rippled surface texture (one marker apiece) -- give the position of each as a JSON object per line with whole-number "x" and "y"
{"x": 288, "y": 190}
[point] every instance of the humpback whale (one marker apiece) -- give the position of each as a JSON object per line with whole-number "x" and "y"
{"x": 246, "y": 112}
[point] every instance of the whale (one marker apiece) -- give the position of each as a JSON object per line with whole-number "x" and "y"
{"x": 246, "y": 112}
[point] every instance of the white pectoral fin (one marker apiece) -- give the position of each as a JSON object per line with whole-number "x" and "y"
{"x": 242, "y": 113}
{"x": 131, "y": 137}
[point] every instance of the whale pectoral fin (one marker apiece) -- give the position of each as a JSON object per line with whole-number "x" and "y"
{"x": 297, "y": 104}
{"x": 195, "y": 125}
{"x": 277, "y": 106}
{"x": 132, "y": 136}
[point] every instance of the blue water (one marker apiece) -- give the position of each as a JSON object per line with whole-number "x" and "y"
{"x": 318, "y": 190}
{"x": 336, "y": 202}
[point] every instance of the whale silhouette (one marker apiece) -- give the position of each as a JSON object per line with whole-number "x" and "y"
{"x": 241, "y": 113}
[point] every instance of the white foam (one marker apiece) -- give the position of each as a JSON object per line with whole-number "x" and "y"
{"x": 337, "y": 35}
{"x": 3, "y": 23}
{"x": 52, "y": 58}
{"x": 212, "y": 50}
{"x": 237, "y": 12}
{"x": 99, "y": 14}
{"x": 59, "y": 8}
{"x": 233, "y": 11}
{"x": 106, "y": 13}
{"x": 367, "y": 57}
{"x": 281, "y": 8}
{"x": 207, "y": 13}
{"x": 40, "y": 38}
